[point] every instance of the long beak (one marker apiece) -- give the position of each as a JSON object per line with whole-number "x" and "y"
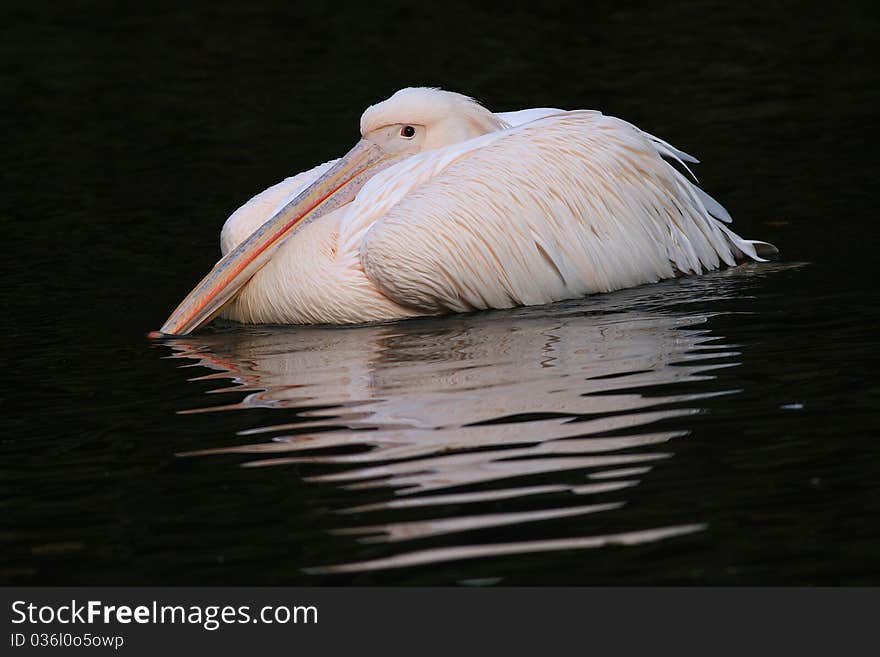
{"x": 338, "y": 186}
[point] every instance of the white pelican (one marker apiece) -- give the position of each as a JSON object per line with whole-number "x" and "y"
{"x": 443, "y": 206}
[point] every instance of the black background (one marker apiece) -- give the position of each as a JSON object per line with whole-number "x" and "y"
{"x": 130, "y": 132}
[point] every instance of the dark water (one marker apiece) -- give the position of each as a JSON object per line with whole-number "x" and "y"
{"x": 712, "y": 430}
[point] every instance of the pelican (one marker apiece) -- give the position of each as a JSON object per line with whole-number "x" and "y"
{"x": 444, "y": 206}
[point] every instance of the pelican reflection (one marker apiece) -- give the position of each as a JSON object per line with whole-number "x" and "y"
{"x": 567, "y": 406}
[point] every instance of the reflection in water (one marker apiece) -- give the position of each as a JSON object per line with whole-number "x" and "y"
{"x": 446, "y": 413}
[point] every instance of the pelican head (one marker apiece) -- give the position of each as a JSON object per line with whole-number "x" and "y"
{"x": 436, "y": 118}
{"x": 411, "y": 121}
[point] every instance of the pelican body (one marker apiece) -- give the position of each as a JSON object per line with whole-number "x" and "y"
{"x": 443, "y": 206}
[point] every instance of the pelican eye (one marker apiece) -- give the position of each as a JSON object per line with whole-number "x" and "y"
{"x": 407, "y": 132}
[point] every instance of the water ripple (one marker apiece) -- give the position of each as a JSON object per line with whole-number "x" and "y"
{"x": 530, "y": 410}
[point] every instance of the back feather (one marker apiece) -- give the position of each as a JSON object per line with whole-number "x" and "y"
{"x": 563, "y": 206}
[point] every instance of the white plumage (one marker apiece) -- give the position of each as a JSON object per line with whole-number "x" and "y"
{"x": 490, "y": 211}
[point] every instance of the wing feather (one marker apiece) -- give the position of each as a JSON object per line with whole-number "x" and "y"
{"x": 566, "y": 205}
